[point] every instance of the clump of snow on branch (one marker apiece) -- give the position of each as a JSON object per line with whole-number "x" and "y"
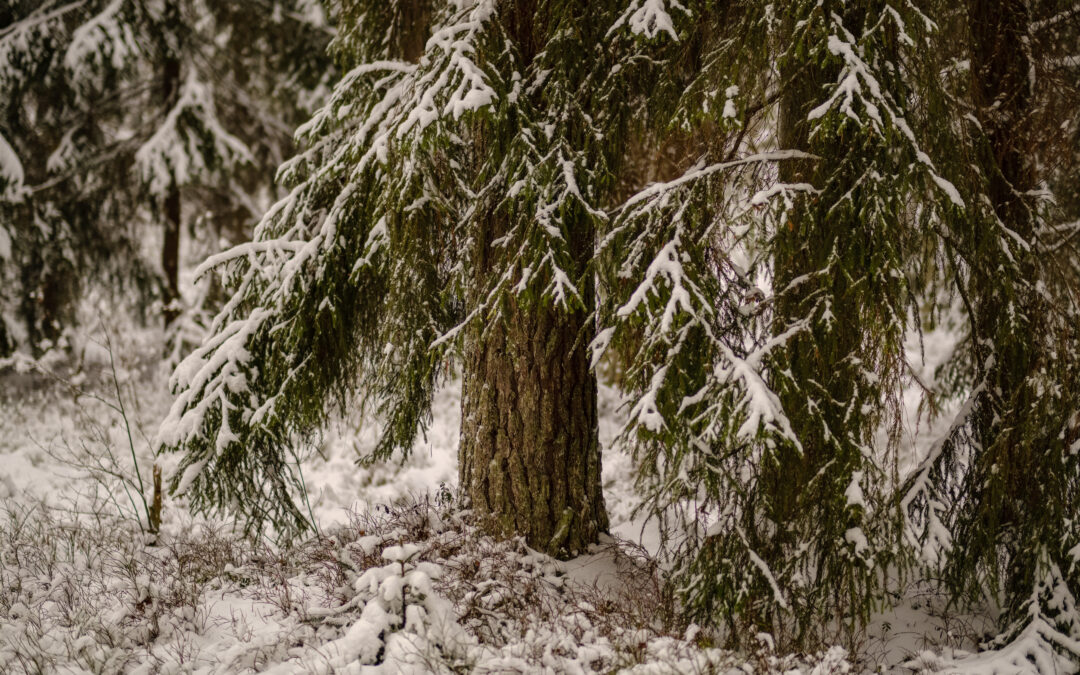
{"x": 650, "y": 18}
{"x": 105, "y": 41}
{"x": 858, "y": 94}
{"x": 189, "y": 132}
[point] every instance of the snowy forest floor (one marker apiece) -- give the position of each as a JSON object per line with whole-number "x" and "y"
{"x": 396, "y": 579}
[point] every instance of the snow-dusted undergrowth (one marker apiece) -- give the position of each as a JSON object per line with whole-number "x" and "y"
{"x": 396, "y": 581}
{"x": 412, "y": 588}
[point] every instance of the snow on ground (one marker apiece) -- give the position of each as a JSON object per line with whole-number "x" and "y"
{"x": 84, "y": 590}
{"x": 397, "y": 582}
{"x": 920, "y": 429}
{"x": 338, "y": 486}
{"x": 50, "y": 409}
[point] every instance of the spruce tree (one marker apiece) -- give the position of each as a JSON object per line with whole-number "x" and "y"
{"x": 767, "y": 332}
{"x": 735, "y": 206}
{"x": 994, "y": 503}
{"x": 443, "y": 207}
{"x": 54, "y": 216}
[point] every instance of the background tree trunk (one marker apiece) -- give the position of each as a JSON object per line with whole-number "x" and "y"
{"x": 803, "y": 246}
{"x": 170, "y": 250}
{"x": 820, "y": 383}
{"x": 825, "y": 258}
{"x": 1001, "y": 67}
{"x": 1008, "y": 505}
{"x": 170, "y": 254}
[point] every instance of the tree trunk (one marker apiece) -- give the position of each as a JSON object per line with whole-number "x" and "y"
{"x": 530, "y": 453}
{"x": 1009, "y": 504}
{"x": 170, "y": 250}
{"x": 413, "y": 29}
{"x": 170, "y": 254}
{"x": 529, "y": 457}
{"x": 821, "y": 260}
{"x": 1000, "y": 67}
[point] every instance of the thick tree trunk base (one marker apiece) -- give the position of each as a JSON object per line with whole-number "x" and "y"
{"x": 530, "y": 453}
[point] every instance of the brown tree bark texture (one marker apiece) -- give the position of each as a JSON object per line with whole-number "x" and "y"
{"x": 530, "y": 454}
{"x": 529, "y": 457}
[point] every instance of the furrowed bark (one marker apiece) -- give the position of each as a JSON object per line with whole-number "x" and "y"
{"x": 529, "y": 457}
{"x": 530, "y": 453}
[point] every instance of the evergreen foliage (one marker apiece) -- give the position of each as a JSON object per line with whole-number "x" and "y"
{"x": 994, "y": 503}
{"x": 491, "y": 152}
{"x": 109, "y": 111}
{"x": 744, "y": 209}
{"x": 757, "y": 409}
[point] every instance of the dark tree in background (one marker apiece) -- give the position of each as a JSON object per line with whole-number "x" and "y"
{"x": 125, "y": 119}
